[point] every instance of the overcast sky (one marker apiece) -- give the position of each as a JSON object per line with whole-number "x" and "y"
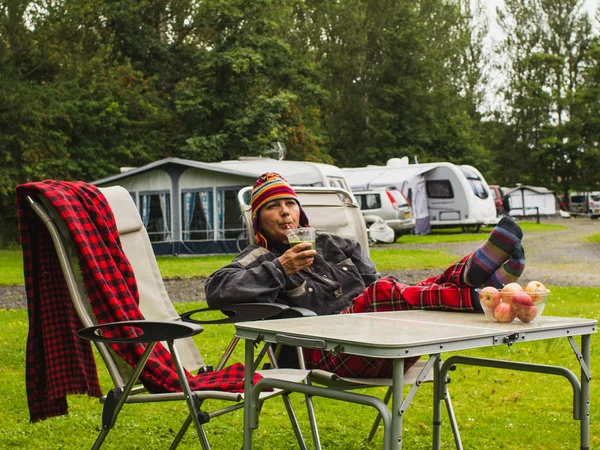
{"x": 588, "y": 5}
{"x": 496, "y": 79}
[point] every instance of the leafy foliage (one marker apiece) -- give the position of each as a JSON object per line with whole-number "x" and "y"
{"x": 550, "y": 50}
{"x": 87, "y": 87}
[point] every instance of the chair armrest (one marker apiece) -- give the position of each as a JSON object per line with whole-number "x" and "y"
{"x": 238, "y": 312}
{"x": 145, "y": 330}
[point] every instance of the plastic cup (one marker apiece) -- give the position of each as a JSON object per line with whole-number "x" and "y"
{"x": 300, "y": 235}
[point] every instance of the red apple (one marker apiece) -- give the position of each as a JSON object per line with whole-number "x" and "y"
{"x": 489, "y": 297}
{"x": 535, "y": 286}
{"x": 526, "y": 315}
{"x": 509, "y": 290}
{"x": 504, "y": 313}
{"x": 537, "y": 291}
{"x": 521, "y": 300}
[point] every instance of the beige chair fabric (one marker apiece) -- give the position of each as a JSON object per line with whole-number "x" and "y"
{"x": 155, "y": 303}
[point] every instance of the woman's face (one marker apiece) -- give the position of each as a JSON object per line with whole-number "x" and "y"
{"x": 277, "y": 217}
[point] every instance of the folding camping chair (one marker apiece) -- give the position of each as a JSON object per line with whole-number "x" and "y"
{"x": 162, "y": 324}
{"x": 335, "y": 211}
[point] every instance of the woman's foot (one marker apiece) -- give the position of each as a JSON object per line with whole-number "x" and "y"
{"x": 510, "y": 271}
{"x": 493, "y": 253}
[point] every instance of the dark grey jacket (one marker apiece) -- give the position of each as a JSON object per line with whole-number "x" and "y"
{"x": 341, "y": 271}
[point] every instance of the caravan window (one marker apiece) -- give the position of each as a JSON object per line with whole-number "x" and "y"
{"x": 155, "y": 209}
{"x": 439, "y": 189}
{"x": 476, "y": 183}
{"x": 338, "y": 182}
{"x": 229, "y": 218}
{"x": 368, "y": 201}
{"x": 197, "y": 215}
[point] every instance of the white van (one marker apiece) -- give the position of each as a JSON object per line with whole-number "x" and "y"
{"x": 582, "y": 203}
{"x": 594, "y": 206}
{"x": 441, "y": 194}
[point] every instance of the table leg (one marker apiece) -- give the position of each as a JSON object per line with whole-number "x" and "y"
{"x": 585, "y": 394}
{"x": 397, "y": 400}
{"x": 438, "y": 387}
{"x": 249, "y": 406}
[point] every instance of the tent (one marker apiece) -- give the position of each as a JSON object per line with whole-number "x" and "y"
{"x": 530, "y": 201}
{"x": 411, "y": 183}
{"x": 191, "y": 207}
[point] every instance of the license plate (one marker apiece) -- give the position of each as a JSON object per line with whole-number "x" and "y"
{"x": 407, "y": 215}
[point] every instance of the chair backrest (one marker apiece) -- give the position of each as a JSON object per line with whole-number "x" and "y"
{"x": 331, "y": 210}
{"x": 154, "y": 301}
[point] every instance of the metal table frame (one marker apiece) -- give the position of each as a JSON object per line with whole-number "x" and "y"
{"x": 403, "y": 334}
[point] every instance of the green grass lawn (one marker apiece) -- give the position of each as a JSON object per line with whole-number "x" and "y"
{"x": 594, "y": 238}
{"x": 202, "y": 266}
{"x": 494, "y": 408}
{"x": 456, "y": 234}
{"x": 192, "y": 266}
{"x": 11, "y": 263}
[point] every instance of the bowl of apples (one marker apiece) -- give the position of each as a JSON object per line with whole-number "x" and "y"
{"x": 514, "y": 301}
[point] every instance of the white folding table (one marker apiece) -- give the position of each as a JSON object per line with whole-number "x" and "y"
{"x": 405, "y": 334}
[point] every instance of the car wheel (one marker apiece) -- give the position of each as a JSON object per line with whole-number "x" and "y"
{"x": 471, "y": 228}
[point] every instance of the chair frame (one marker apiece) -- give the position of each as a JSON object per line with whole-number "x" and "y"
{"x": 127, "y": 390}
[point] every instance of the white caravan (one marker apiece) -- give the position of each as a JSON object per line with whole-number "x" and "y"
{"x": 441, "y": 194}
{"x": 298, "y": 173}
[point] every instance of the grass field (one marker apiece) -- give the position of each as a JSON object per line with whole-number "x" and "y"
{"x": 495, "y": 409}
{"x": 11, "y": 261}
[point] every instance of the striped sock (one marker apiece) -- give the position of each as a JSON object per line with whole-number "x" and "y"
{"x": 510, "y": 271}
{"x": 493, "y": 253}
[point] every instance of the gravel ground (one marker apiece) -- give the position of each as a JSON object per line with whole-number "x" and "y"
{"x": 557, "y": 258}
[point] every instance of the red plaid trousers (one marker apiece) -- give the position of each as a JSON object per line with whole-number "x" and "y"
{"x": 445, "y": 292}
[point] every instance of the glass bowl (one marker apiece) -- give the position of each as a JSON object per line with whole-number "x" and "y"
{"x": 506, "y": 307}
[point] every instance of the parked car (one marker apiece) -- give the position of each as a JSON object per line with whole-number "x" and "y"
{"x": 497, "y": 194}
{"x": 578, "y": 203}
{"x": 389, "y": 204}
{"x": 585, "y": 203}
{"x": 594, "y": 206}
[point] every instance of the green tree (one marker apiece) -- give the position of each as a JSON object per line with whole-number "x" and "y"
{"x": 390, "y": 68}
{"x": 67, "y": 111}
{"x": 546, "y": 48}
{"x": 586, "y": 122}
{"x": 247, "y": 88}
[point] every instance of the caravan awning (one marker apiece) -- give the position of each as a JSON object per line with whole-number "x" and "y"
{"x": 297, "y": 173}
{"x": 366, "y": 178}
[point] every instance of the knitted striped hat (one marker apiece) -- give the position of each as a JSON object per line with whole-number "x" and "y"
{"x": 271, "y": 186}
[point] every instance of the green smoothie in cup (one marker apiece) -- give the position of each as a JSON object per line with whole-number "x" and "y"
{"x": 312, "y": 243}
{"x": 300, "y": 235}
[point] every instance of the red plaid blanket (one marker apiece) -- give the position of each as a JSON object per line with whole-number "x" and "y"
{"x": 58, "y": 362}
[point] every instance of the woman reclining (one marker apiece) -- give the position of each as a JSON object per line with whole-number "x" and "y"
{"x": 339, "y": 278}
